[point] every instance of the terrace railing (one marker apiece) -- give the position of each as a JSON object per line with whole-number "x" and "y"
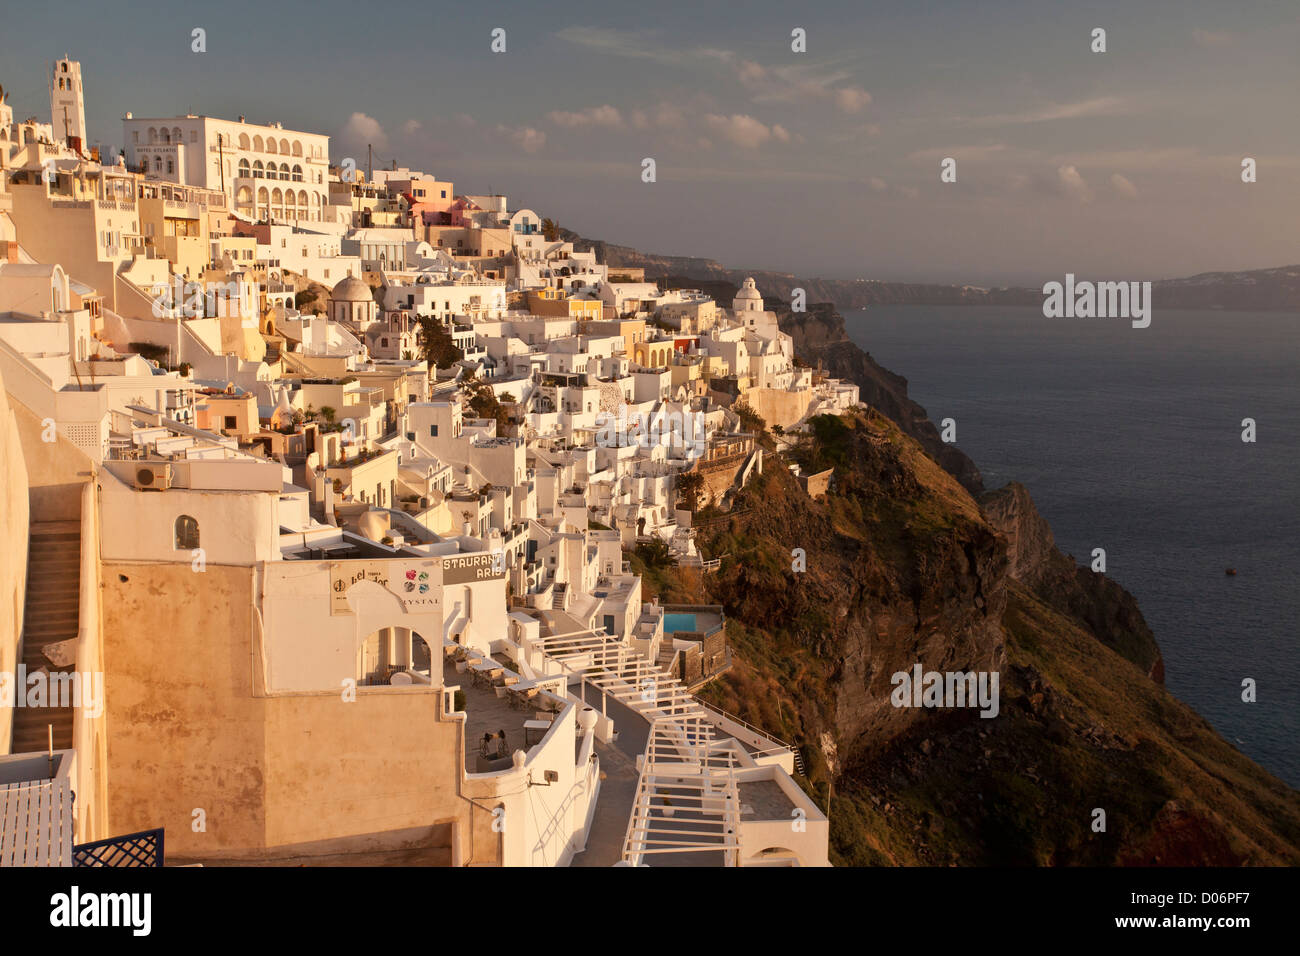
{"x": 133, "y": 849}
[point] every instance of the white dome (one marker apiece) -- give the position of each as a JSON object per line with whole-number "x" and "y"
{"x": 351, "y": 289}
{"x": 748, "y": 298}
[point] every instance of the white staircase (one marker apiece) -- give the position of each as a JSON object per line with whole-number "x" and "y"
{"x": 687, "y": 799}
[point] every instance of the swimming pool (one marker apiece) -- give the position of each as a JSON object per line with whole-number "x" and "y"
{"x": 678, "y": 622}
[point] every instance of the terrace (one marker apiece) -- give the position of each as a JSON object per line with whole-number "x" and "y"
{"x": 497, "y": 702}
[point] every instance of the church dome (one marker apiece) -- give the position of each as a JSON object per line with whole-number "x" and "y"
{"x": 351, "y": 289}
{"x": 748, "y": 298}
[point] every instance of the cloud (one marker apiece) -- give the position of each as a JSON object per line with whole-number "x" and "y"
{"x": 527, "y": 138}
{"x": 850, "y": 99}
{"x": 1211, "y": 39}
{"x": 1122, "y": 186}
{"x": 961, "y": 153}
{"x": 744, "y": 131}
{"x": 878, "y": 184}
{"x": 633, "y": 44}
{"x": 797, "y": 84}
{"x": 606, "y": 115}
{"x": 411, "y": 126}
{"x": 361, "y": 130}
{"x": 1098, "y": 106}
{"x": 1072, "y": 184}
{"x": 781, "y": 133}
{"x": 782, "y": 84}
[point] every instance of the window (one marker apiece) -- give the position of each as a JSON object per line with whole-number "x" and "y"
{"x": 230, "y": 421}
{"x": 433, "y": 431}
{"x": 187, "y": 533}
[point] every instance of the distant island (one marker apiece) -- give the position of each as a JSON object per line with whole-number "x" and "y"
{"x": 1265, "y": 290}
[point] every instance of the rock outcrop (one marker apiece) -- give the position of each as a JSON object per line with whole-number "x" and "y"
{"x": 819, "y": 338}
{"x": 1109, "y": 611}
{"x": 904, "y": 567}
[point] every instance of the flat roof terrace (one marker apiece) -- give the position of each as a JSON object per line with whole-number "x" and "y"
{"x": 764, "y": 800}
{"x": 492, "y": 706}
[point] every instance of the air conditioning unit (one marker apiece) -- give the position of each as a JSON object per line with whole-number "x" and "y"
{"x": 152, "y": 476}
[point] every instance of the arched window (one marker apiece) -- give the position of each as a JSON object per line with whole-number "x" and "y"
{"x": 284, "y": 147}
{"x": 187, "y": 533}
{"x": 257, "y": 169}
{"x": 243, "y": 169}
{"x": 297, "y": 173}
{"x": 270, "y": 145}
{"x": 176, "y": 135}
{"x": 284, "y": 171}
{"x": 243, "y": 141}
{"x": 297, "y": 148}
{"x": 153, "y": 134}
{"x": 166, "y": 135}
{"x": 157, "y": 164}
{"x": 257, "y": 144}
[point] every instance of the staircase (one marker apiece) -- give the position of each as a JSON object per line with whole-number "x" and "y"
{"x": 683, "y": 769}
{"x": 51, "y": 614}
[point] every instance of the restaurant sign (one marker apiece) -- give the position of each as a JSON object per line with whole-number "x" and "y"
{"x": 411, "y": 581}
{"x": 479, "y": 566}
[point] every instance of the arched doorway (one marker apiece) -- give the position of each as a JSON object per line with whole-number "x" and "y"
{"x": 390, "y": 651}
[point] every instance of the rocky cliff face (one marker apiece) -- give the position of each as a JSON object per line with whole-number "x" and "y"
{"x": 904, "y": 567}
{"x": 819, "y": 337}
{"x": 1109, "y": 611}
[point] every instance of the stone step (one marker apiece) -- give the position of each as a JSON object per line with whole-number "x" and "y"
{"x": 64, "y": 597}
{"x": 46, "y": 623}
{"x": 53, "y": 565}
{"x": 35, "y": 623}
{"x": 47, "y": 529}
{"x": 68, "y": 592}
{"x": 31, "y": 732}
{"x": 48, "y": 635}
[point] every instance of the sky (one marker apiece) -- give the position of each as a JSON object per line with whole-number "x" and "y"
{"x": 1122, "y": 165}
